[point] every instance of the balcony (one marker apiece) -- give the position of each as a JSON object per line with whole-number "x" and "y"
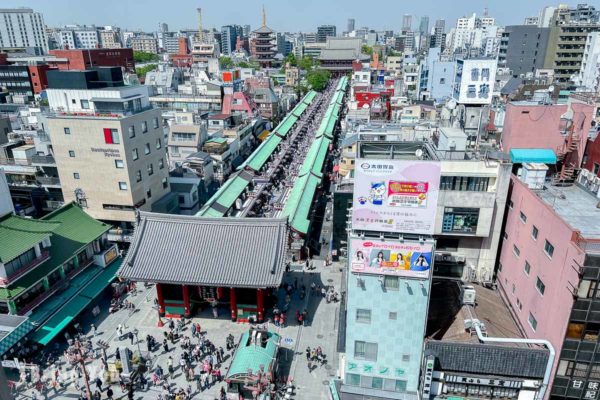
{"x": 48, "y": 181}
{"x": 43, "y": 160}
{"x": 43, "y": 257}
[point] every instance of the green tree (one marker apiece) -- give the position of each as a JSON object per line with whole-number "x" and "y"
{"x": 318, "y": 78}
{"x": 367, "y": 50}
{"x": 306, "y": 63}
{"x": 142, "y": 71}
{"x": 291, "y": 59}
{"x": 243, "y": 64}
{"x": 225, "y": 62}
{"x": 144, "y": 57}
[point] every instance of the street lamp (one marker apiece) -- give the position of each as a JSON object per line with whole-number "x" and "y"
{"x": 135, "y": 333}
{"x": 76, "y": 354}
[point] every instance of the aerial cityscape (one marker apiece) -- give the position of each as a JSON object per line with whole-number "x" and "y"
{"x": 262, "y": 207}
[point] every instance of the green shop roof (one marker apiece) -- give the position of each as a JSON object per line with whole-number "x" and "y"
{"x": 73, "y": 230}
{"x": 299, "y": 202}
{"x": 18, "y": 235}
{"x": 310, "y": 96}
{"x": 284, "y": 126}
{"x": 249, "y": 357}
{"x": 260, "y": 156}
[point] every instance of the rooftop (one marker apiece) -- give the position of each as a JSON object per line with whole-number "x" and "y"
{"x": 229, "y": 252}
{"x": 576, "y": 206}
{"x": 18, "y": 235}
{"x": 446, "y": 315}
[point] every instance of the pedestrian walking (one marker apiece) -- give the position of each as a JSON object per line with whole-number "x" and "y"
{"x": 215, "y": 312}
{"x": 99, "y": 384}
{"x": 93, "y": 329}
{"x": 308, "y": 354}
{"x": 109, "y": 393}
{"x": 131, "y": 337}
{"x": 165, "y": 346}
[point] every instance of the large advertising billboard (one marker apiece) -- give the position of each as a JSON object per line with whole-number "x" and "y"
{"x": 412, "y": 260}
{"x": 395, "y": 195}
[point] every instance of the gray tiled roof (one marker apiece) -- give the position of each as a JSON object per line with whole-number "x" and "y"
{"x": 485, "y": 359}
{"x": 234, "y": 252}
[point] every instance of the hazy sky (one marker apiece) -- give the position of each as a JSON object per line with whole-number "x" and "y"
{"x": 282, "y": 15}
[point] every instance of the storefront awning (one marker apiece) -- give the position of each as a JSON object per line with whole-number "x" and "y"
{"x": 61, "y": 319}
{"x": 545, "y": 156}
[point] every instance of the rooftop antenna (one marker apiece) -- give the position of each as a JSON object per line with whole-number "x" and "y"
{"x": 200, "y": 31}
{"x": 264, "y": 16}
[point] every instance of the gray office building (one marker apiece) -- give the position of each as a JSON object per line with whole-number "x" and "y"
{"x": 424, "y": 25}
{"x": 325, "y": 31}
{"x": 351, "y": 24}
{"x": 229, "y": 35}
{"x": 523, "y": 48}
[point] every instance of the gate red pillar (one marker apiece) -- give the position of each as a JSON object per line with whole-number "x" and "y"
{"x": 160, "y": 299}
{"x": 260, "y": 304}
{"x": 186, "y": 301}
{"x": 233, "y": 301}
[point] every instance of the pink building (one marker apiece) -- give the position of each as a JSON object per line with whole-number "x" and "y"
{"x": 548, "y": 274}
{"x": 530, "y": 125}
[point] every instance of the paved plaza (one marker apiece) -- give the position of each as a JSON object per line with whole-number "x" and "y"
{"x": 321, "y": 330}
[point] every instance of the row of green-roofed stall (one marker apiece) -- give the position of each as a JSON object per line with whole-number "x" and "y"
{"x": 218, "y": 205}
{"x": 299, "y": 202}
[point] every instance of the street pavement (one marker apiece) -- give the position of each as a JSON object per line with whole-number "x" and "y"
{"x": 321, "y": 330}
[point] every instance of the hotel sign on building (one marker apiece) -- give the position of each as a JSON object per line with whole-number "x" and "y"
{"x": 396, "y": 196}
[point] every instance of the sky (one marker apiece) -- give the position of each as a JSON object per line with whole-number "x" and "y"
{"x": 282, "y": 15}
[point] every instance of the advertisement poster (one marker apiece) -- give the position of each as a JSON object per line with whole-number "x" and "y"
{"x": 396, "y": 195}
{"x": 412, "y": 260}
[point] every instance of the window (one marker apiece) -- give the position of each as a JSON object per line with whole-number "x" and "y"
{"x": 352, "y": 379}
{"x": 123, "y": 185}
{"x": 485, "y": 74}
{"x": 138, "y": 176}
{"x": 150, "y": 169}
{"x": 442, "y": 81}
{"x": 363, "y": 316}
{"x": 76, "y": 175}
{"x": 510, "y": 205}
{"x": 527, "y": 268}
{"x": 540, "y": 286}
{"x": 575, "y": 330}
{"x": 155, "y": 123}
{"x": 460, "y": 220}
{"x": 119, "y": 164}
{"x": 475, "y": 74}
{"x": 147, "y": 148}
{"x": 134, "y": 154}
{"x": 400, "y": 385}
{"x": 85, "y": 104}
{"x": 522, "y": 217}
{"x": 391, "y": 282}
{"x": 534, "y": 232}
{"x": 67, "y": 131}
{"x": 548, "y": 248}
{"x": 111, "y": 136}
{"x": 144, "y": 127}
{"x": 471, "y": 91}
{"x": 71, "y": 153}
{"x": 464, "y": 183}
{"x": 165, "y": 183}
{"x": 516, "y": 250}
{"x": 484, "y": 91}
{"x": 161, "y": 163}
{"x": 519, "y": 304}
{"x": 393, "y": 315}
{"x": 148, "y": 193}
{"x": 158, "y": 144}
{"x": 596, "y": 168}
{"x": 183, "y": 136}
{"x": 505, "y": 236}
{"x": 377, "y": 383}
{"x": 405, "y": 357}
{"x": 532, "y": 322}
{"x": 365, "y": 351}
{"x": 131, "y": 130}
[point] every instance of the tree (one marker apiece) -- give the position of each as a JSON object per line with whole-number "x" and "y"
{"x": 318, "y": 78}
{"x": 243, "y": 64}
{"x": 225, "y": 62}
{"x": 368, "y": 50}
{"x": 291, "y": 59}
{"x": 142, "y": 71}
{"x": 306, "y": 63}
{"x": 144, "y": 57}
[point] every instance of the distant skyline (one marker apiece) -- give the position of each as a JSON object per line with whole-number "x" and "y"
{"x": 282, "y": 15}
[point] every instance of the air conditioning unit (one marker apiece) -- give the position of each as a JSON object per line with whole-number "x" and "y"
{"x": 467, "y": 295}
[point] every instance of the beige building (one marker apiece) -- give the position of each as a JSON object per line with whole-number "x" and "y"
{"x": 111, "y": 156}
{"x": 292, "y": 75}
{"x": 147, "y": 44}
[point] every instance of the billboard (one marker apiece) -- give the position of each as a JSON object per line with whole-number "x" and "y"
{"x": 411, "y": 260}
{"x": 396, "y": 195}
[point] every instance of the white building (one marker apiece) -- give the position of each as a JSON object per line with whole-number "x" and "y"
{"x": 589, "y": 75}
{"x": 474, "y": 81}
{"x": 144, "y": 43}
{"x": 78, "y": 37}
{"x": 6, "y": 204}
{"x": 472, "y": 32}
{"x": 22, "y": 27}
